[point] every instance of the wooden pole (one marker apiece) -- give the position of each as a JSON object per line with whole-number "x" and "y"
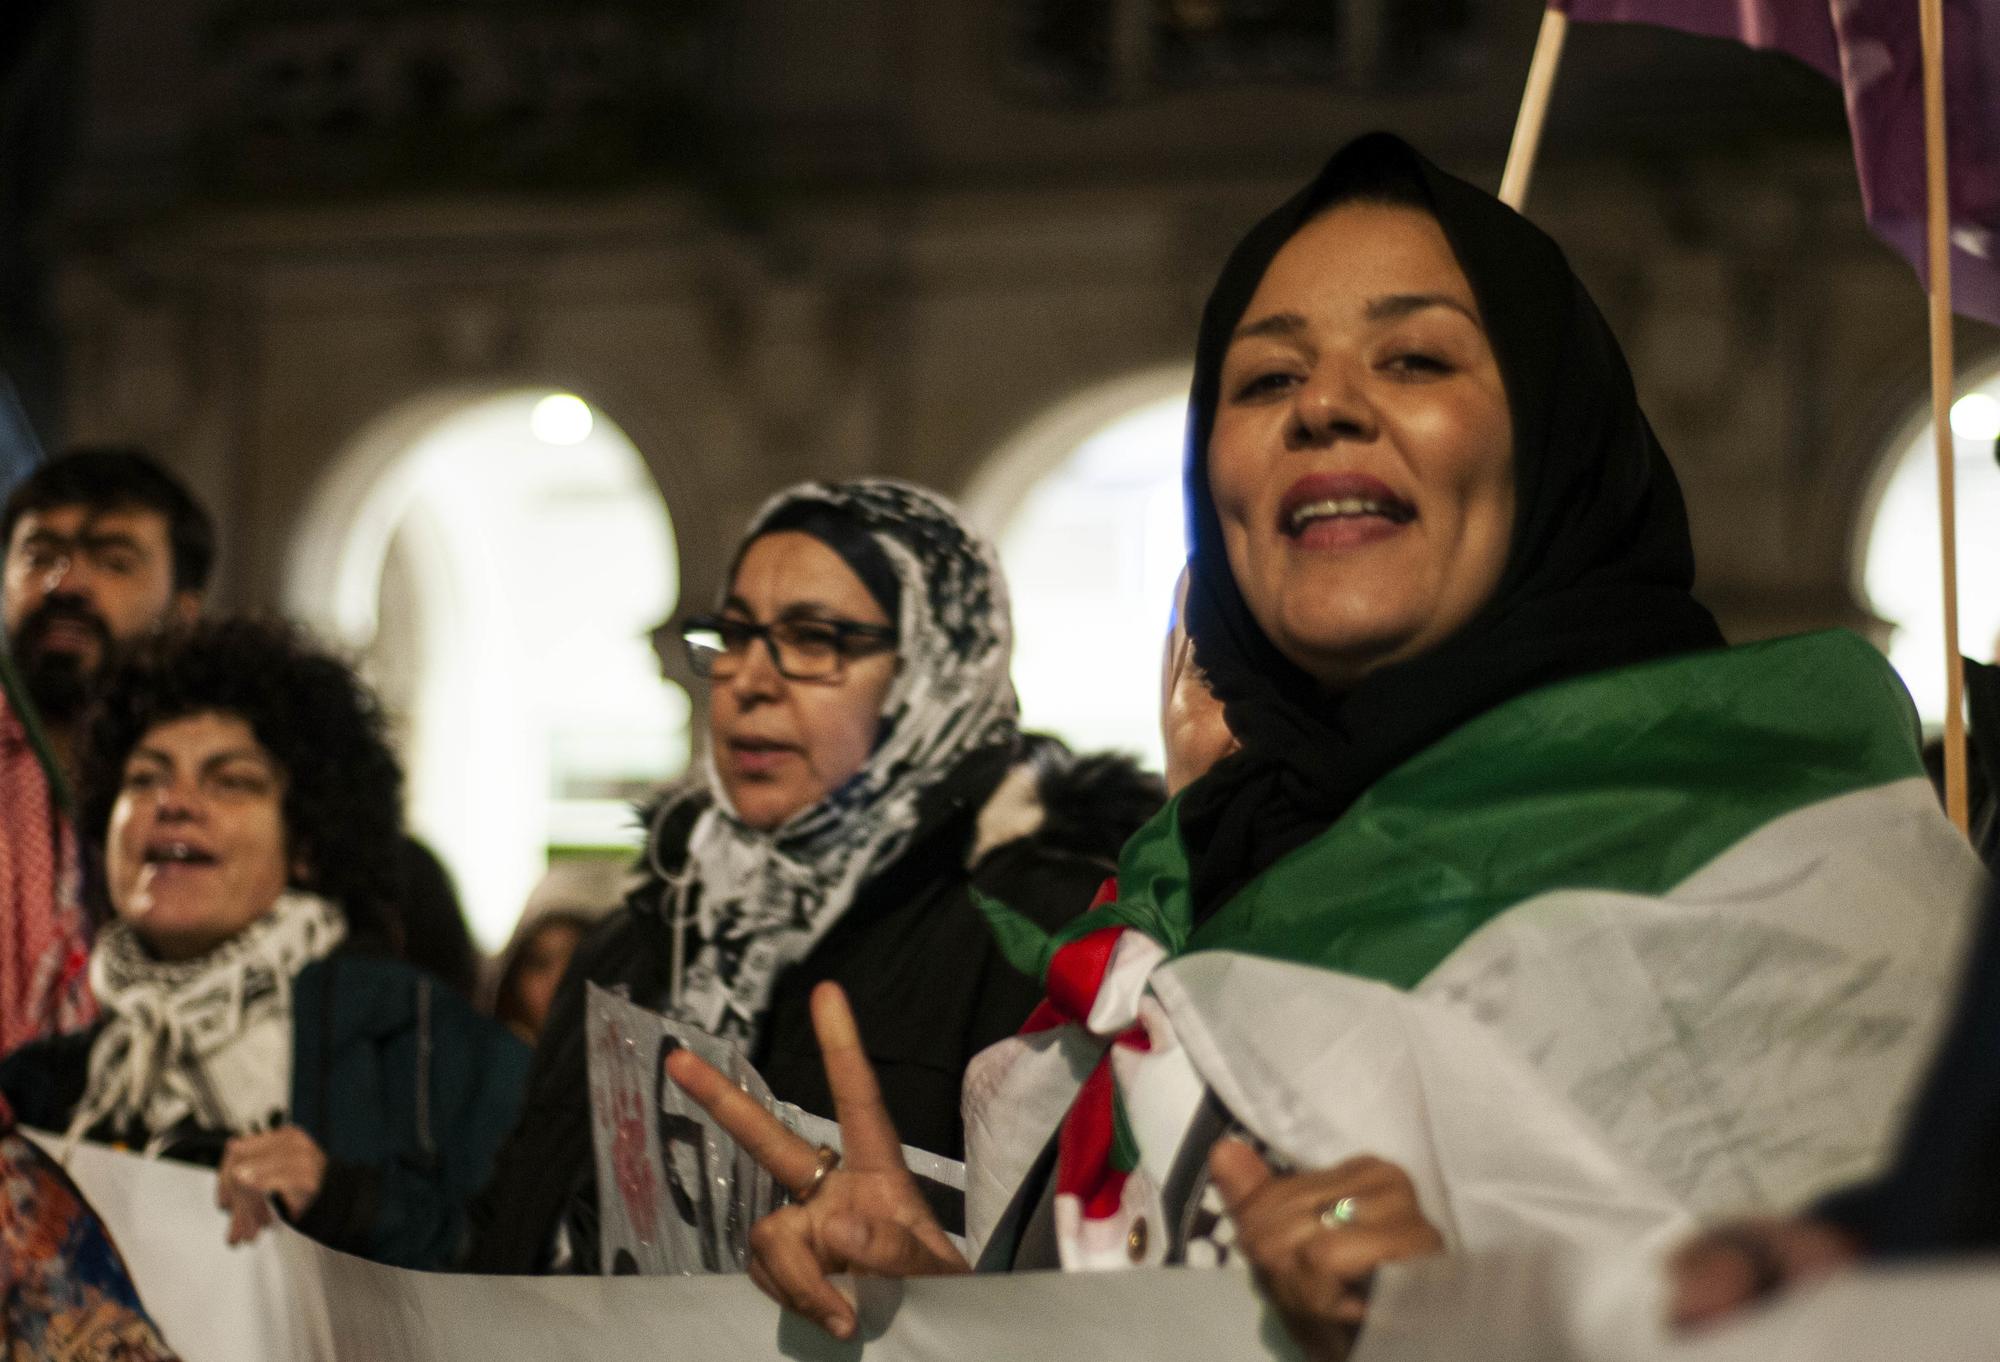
{"x": 1938, "y": 256}
{"x": 1534, "y": 109}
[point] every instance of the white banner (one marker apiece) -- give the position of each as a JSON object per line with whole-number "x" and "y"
{"x": 209, "y": 1300}
{"x": 1553, "y": 1308}
{"x": 286, "y": 1297}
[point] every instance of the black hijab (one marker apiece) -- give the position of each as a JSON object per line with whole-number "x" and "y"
{"x": 1598, "y": 573}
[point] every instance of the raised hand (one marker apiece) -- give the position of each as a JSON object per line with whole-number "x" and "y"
{"x": 1315, "y": 1239}
{"x": 865, "y": 1215}
{"x": 284, "y": 1163}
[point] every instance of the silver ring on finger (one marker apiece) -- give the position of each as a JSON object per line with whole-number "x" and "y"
{"x": 825, "y": 1159}
{"x": 1338, "y": 1215}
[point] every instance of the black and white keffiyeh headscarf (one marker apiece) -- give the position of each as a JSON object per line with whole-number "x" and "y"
{"x": 206, "y": 1041}
{"x": 757, "y": 901}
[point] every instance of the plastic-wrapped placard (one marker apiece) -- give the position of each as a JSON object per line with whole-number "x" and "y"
{"x": 675, "y": 1193}
{"x": 940, "y": 1180}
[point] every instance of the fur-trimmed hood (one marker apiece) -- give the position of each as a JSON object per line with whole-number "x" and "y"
{"x": 1082, "y": 804}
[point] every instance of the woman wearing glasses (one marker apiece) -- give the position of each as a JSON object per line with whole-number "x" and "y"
{"x": 865, "y": 776}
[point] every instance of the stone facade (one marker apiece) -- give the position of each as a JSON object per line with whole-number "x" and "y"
{"x": 790, "y": 237}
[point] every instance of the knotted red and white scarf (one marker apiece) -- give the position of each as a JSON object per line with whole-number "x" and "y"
{"x": 1107, "y": 1209}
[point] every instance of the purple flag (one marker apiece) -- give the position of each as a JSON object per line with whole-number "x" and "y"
{"x": 1873, "y": 49}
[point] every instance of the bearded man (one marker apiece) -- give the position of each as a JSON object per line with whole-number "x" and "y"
{"x": 103, "y": 548}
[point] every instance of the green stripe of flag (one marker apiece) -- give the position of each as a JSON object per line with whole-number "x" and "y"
{"x": 1627, "y": 781}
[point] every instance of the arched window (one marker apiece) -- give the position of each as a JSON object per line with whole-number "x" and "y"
{"x": 1901, "y": 572}
{"x": 497, "y": 564}
{"x": 1086, "y": 509}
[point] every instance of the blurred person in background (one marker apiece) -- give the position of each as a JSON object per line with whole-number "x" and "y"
{"x": 103, "y": 548}
{"x": 242, "y": 822}
{"x": 431, "y": 927}
{"x": 532, "y": 968}
{"x": 574, "y": 896}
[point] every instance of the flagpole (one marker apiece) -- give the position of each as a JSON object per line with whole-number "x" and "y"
{"x": 1534, "y": 109}
{"x": 1938, "y": 255}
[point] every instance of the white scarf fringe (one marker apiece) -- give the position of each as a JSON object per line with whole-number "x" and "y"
{"x": 208, "y": 1040}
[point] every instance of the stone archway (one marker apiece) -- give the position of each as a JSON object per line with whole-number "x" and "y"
{"x": 495, "y": 559}
{"x": 1085, "y": 507}
{"x": 1896, "y": 550}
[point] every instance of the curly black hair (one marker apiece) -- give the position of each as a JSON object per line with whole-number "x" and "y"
{"x": 343, "y": 806}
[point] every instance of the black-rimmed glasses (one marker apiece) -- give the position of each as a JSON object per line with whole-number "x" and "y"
{"x": 801, "y": 649}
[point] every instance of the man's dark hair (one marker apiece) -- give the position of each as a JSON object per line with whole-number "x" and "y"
{"x": 342, "y": 804}
{"x": 117, "y": 478}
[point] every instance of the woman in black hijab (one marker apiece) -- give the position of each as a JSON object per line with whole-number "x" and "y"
{"x": 1441, "y": 581}
{"x": 1598, "y": 565}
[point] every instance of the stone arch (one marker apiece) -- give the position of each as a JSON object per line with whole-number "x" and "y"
{"x": 467, "y": 561}
{"x": 1084, "y": 504}
{"x": 1895, "y": 554}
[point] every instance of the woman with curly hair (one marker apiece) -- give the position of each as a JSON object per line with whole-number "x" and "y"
{"x": 241, "y": 811}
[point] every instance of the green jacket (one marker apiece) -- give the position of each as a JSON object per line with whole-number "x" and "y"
{"x": 410, "y": 1092}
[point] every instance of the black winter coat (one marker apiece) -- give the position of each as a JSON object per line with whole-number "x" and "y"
{"x": 1035, "y": 828}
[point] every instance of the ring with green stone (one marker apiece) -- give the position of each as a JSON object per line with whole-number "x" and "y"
{"x": 1338, "y": 1214}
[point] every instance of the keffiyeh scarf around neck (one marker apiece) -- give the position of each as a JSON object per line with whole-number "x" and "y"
{"x": 204, "y": 1042}
{"x": 44, "y": 930}
{"x": 757, "y": 901}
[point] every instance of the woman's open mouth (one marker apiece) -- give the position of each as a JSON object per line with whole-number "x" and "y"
{"x": 1341, "y": 510}
{"x": 178, "y": 855}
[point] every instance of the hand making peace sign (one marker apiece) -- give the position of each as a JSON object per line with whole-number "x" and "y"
{"x": 864, "y": 1215}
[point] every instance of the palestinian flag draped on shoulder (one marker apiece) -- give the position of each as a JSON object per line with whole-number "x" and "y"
{"x": 1705, "y": 911}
